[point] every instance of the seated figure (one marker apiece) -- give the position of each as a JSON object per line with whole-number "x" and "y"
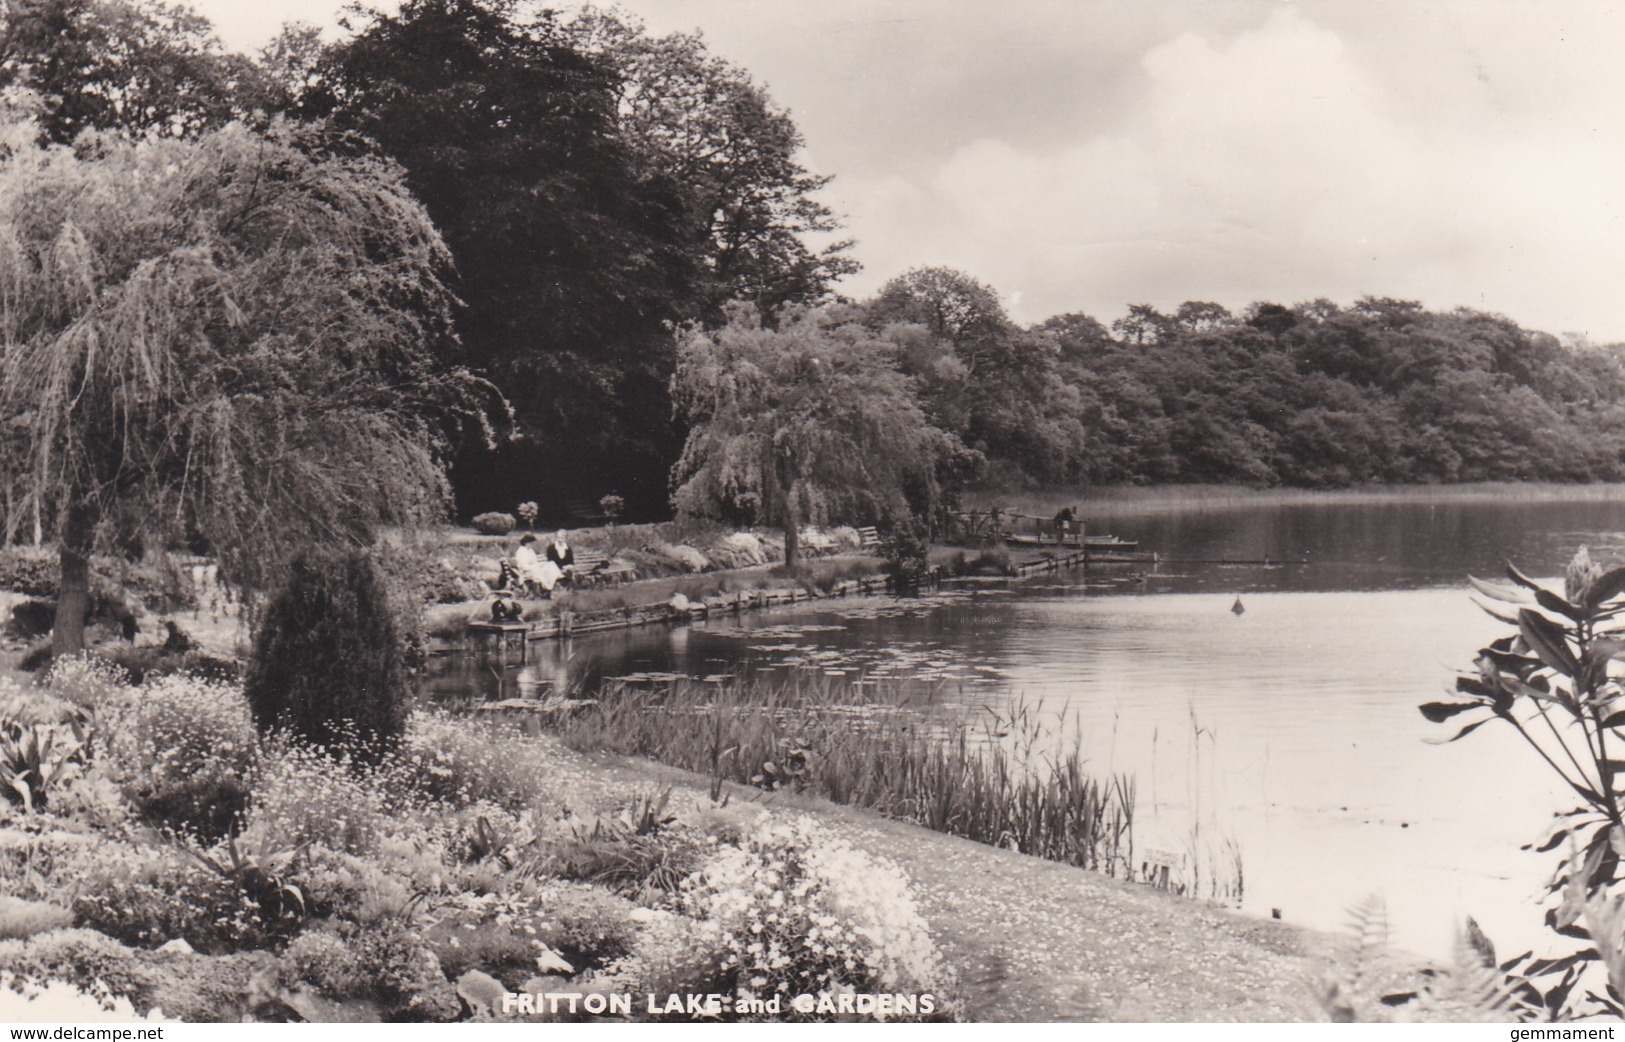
{"x": 533, "y": 570}
{"x": 559, "y": 552}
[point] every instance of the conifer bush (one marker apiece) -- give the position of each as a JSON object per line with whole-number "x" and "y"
{"x": 327, "y": 663}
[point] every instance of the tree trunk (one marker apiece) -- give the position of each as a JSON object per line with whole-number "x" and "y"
{"x": 73, "y": 592}
{"x": 792, "y": 546}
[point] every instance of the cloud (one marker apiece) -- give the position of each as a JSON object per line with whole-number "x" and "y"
{"x": 1284, "y": 164}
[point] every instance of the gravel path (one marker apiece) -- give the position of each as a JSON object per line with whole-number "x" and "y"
{"x": 1037, "y": 941}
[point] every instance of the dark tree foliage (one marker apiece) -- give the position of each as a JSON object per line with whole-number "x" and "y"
{"x": 572, "y": 258}
{"x": 134, "y": 66}
{"x": 327, "y": 663}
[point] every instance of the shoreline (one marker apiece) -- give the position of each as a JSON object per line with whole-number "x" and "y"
{"x": 478, "y": 636}
{"x": 1110, "y": 501}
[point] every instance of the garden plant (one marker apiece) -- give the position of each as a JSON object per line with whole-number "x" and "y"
{"x": 1550, "y": 681}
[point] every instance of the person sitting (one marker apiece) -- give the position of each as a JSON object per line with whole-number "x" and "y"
{"x": 559, "y": 552}
{"x": 507, "y": 577}
{"x": 533, "y": 570}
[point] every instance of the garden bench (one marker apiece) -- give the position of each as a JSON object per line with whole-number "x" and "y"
{"x": 584, "y": 511}
{"x": 868, "y": 537}
{"x": 596, "y": 569}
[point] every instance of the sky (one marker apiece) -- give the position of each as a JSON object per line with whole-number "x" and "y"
{"x": 1085, "y": 155}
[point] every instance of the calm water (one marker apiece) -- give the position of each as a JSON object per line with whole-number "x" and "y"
{"x": 1290, "y": 731}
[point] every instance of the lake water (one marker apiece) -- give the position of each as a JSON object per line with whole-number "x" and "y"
{"x": 1289, "y": 731}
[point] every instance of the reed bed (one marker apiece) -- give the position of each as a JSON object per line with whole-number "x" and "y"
{"x": 891, "y": 746}
{"x": 1100, "y": 503}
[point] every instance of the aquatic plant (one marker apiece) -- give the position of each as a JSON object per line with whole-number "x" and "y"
{"x": 887, "y": 745}
{"x": 1550, "y": 682}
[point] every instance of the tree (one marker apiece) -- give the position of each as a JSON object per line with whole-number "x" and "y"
{"x": 327, "y": 663}
{"x": 1005, "y": 397}
{"x": 234, "y": 341}
{"x": 805, "y": 424}
{"x": 135, "y": 66}
{"x": 952, "y": 305}
{"x": 571, "y": 258}
{"x": 702, "y": 123}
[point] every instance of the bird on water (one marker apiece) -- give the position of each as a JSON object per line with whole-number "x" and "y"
{"x": 1236, "y": 608}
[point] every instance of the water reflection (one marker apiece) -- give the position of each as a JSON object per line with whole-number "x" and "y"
{"x": 1290, "y": 730}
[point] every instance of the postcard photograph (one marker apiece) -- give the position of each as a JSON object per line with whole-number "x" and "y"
{"x": 905, "y": 511}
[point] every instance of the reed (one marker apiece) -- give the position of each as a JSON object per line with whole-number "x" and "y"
{"x": 890, "y": 746}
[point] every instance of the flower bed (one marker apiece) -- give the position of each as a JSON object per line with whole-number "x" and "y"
{"x": 469, "y": 865}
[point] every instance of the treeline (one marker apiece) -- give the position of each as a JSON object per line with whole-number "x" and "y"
{"x": 1315, "y": 395}
{"x": 601, "y": 189}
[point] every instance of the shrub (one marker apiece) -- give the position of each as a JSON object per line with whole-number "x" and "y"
{"x": 460, "y": 761}
{"x": 147, "y": 896}
{"x": 336, "y": 885}
{"x": 387, "y": 963}
{"x": 186, "y": 987}
{"x": 86, "y": 681}
{"x": 147, "y": 661}
{"x": 501, "y": 949}
{"x": 588, "y": 927}
{"x": 494, "y": 523}
{"x": 302, "y": 795}
{"x": 327, "y": 661}
{"x": 671, "y": 955}
{"x": 33, "y": 617}
{"x": 20, "y": 919}
{"x": 631, "y": 853}
{"x": 802, "y": 912}
{"x": 34, "y": 571}
{"x": 30, "y": 570}
{"x": 1549, "y": 681}
{"x": 46, "y": 866}
{"x": 904, "y": 550}
{"x": 207, "y": 806}
{"x": 39, "y": 760}
{"x": 181, "y": 746}
{"x": 178, "y": 726}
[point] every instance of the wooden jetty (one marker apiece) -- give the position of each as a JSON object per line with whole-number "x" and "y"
{"x": 1018, "y": 529}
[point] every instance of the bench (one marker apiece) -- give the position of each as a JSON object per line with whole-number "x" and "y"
{"x": 868, "y": 537}
{"x": 596, "y": 569}
{"x": 585, "y": 511}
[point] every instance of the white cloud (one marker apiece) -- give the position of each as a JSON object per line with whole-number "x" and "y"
{"x": 1283, "y": 164}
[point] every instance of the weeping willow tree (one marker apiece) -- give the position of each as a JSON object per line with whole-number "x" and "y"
{"x": 232, "y": 341}
{"x": 809, "y": 423}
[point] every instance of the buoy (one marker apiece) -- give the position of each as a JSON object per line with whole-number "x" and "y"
{"x": 1236, "y": 608}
